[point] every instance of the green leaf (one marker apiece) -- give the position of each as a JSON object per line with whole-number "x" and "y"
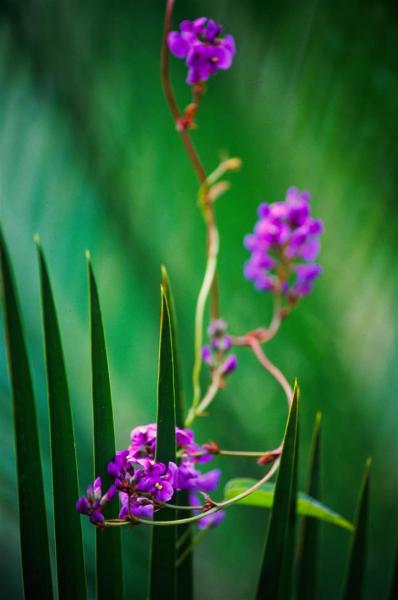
{"x": 163, "y": 548}
{"x": 394, "y": 582}
{"x": 32, "y": 519}
{"x": 264, "y": 498}
{"x": 309, "y": 540}
{"x": 108, "y": 544}
{"x": 353, "y": 587}
{"x": 179, "y": 391}
{"x": 184, "y": 532}
{"x": 272, "y": 568}
{"x": 287, "y": 577}
{"x": 68, "y": 535}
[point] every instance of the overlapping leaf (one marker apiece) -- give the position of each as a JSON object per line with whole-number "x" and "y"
{"x": 162, "y": 582}
{"x": 68, "y": 535}
{"x": 108, "y": 546}
{"x": 33, "y": 525}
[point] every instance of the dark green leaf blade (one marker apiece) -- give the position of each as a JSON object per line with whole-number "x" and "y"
{"x": 285, "y": 591}
{"x": 108, "y": 544}
{"x": 179, "y": 390}
{"x": 184, "y": 532}
{"x": 309, "y": 542}
{"x": 33, "y": 527}
{"x": 68, "y": 535}
{"x": 394, "y": 582}
{"x": 353, "y": 586}
{"x": 269, "y": 583}
{"x": 163, "y": 548}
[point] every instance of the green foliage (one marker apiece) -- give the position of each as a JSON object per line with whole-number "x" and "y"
{"x": 32, "y": 511}
{"x": 68, "y": 535}
{"x": 184, "y": 573}
{"x": 163, "y": 582}
{"x": 309, "y": 540}
{"x": 264, "y": 498}
{"x": 108, "y": 545}
{"x": 354, "y": 580}
{"x": 276, "y": 552}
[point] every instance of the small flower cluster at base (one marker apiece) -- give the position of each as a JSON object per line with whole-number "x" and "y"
{"x": 92, "y": 504}
{"x": 214, "y": 354}
{"x": 144, "y": 485}
{"x": 205, "y": 52}
{"x": 284, "y": 246}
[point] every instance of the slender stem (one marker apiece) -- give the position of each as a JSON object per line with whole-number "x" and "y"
{"x": 220, "y": 506}
{"x": 271, "y": 368}
{"x": 200, "y": 309}
{"x": 178, "y": 507}
{"x": 210, "y": 280}
{"x": 239, "y": 453}
{"x": 170, "y": 96}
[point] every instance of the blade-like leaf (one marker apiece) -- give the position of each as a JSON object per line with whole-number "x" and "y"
{"x": 287, "y": 577}
{"x": 179, "y": 391}
{"x": 163, "y": 548}
{"x": 394, "y": 582}
{"x": 353, "y": 587}
{"x": 108, "y": 545}
{"x": 309, "y": 542}
{"x": 272, "y": 567}
{"x": 33, "y": 527}
{"x": 184, "y": 532}
{"x": 68, "y": 535}
{"x": 264, "y": 498}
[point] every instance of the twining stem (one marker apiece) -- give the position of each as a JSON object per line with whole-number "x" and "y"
{"x": 209, "y": 284}
{"x": 220, "y": 506}
{"x": 235, "y": 453}
{"x": 208, "y": 280}
{"x": 271, "y": 368}
{"x": 171, "y": 100}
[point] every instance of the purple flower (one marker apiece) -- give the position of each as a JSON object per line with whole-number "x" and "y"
{"x": 284, "y": 235}
{"x": 204, "y": 51}
{"x": 135, "y": 506}
{"x": 214, "y": 355}
{"x": 157, "y": 480}
{"x": 142, "y": 482}
{"x": 229, "y": 365}
{"x": 92, "y": 504}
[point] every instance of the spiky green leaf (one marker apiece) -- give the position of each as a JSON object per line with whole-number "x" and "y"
{"x": 163, "y": 547}
{"x": 184, "y": 532}
{"x": 272, "y": 567}
{"x": 68, "y": 535}
{"x": 309, "y": 539}
{"x": 354, "y": 579}
{"x": 33, "y": 525}
{"x": 108, "y": 545}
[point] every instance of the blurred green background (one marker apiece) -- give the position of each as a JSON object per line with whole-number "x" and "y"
{"x": 89, "y": 159}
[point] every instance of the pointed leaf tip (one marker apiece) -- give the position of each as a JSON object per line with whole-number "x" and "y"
{"x": 36, "y": 569}
{"x": 68, "y": 535}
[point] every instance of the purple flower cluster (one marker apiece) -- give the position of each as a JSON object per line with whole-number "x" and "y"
{"x": 284, "y": 246}
{"x": 92, "y": 504}
{"x": 144, "y": 484}
{"x": 214, "y": 354}
{"x": 205, "y": 52}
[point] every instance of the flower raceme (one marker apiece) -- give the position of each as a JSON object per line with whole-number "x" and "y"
{"x": 204, "y": 51}
{"x": 144, "y": 484}
{"x": 214, "y": 354}
{"x": 284, "y": 246}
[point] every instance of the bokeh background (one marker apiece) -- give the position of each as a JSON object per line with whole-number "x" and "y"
{"x": 89, "y": 159}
